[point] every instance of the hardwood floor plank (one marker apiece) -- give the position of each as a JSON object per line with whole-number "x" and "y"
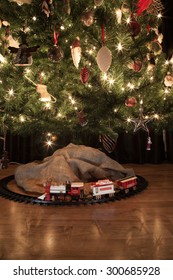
{"x": 139, "y": 227}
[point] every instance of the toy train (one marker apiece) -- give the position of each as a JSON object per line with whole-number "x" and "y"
{"x": 79, "y": 190}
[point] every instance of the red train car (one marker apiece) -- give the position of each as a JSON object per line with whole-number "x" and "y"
{"x": 126, "y": 183}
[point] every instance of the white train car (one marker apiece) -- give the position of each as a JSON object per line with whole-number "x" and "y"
{"x": 103, "y": 187}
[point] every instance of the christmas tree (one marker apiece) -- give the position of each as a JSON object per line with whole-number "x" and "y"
{"x": 81, "y": 68}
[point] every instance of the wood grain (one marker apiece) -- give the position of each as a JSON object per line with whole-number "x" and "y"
{"x": 139, "y": 227}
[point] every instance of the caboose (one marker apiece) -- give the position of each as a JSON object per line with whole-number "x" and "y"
{"x": 126, "y": 183}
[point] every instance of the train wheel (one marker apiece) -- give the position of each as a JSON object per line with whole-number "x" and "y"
{"x": 68, "y": 198}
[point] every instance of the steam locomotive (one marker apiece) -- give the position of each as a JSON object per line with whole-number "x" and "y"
{"x": 96, "y": 190}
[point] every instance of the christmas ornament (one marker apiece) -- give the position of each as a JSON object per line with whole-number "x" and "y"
{"x": 108, "y": 142}
{"x": 87, "y": 17}
{"x": 42, "y": 90}
{"x": 168, "y": 81}
{"x": 44, "y": 95}
{"x": 84, "y": 75}
{"x": 136, "y": 65}
{"x": 148, "y": 148}
{"x": 151, "y": 6}
{"x": 141, "y": 122}
{"x": 104, "y": 59}
{"x": 118, "y": 13}
{"x": 98, "y": 2}
{"x": 82, "y": 118}
{"x": 134, "y": 27}
{"x": 130, "y": 102}
{"x": 10, "y": 40}
{"x": 47, "y": 7}
{"x": 155, "y": 7}
{"x": 23, "y": 53}
{"x": 22, "y": 1}
{"x": 143, "y": 5}
{"x": 76, "y": 52}
{"x": 55, "y": 53}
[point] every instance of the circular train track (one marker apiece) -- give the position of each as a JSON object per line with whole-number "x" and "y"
{"x": 8, "y": 193}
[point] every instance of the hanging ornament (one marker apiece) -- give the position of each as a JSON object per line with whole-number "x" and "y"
{"x": 42, "y": 90}
{"x": 47, "y": 7}
{"x": 22, "y": 1}
{"x": 23, "y": 53}
{"x": 108, "y": 143}
{"x": 118, "y": 13}
{"x": 151, "y": 6}
{"x": 136, "y": 65}
{"x": 148, "y": 148}
{"x": 84, "y": 75}
{"x": 168, "y": 81}
{"x": 104, "y": 59}
{"x": 130, "y": 102}
{"x": 10, "y": 39}
{"x": 104, "y": 55}
{"x": 141, "y": 122}
{"x": 76, "y": 52}
{"x": 87, "y": 17}
{"x": 55, "y": 53}
{"x": 134, "y": 27}
{"x": 98, "y": 2}
{"x": 82, "y": 118}
{"x": 143, "y": 5}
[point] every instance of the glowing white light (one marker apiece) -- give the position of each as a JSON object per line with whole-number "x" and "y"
{"x": 105, "y": 77}
{"x": 111, "y": 81}
{"x": 62, "y": 27}
{"x": 34, "y": 18}
{"x": 22, "y": 118}
{"x": 128, "y": 20}
{"x": 11, "y": 92}
{"x": 49, "y": 143}
{"x": 159, "y": 15}
{"x": 119, "y": 47}
{"x": 48, "y": 105}
{"x": 129, "y": 120}
{"x": 156, "y": 116}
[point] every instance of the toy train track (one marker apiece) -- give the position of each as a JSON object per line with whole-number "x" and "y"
{"x": 17, "y": 197}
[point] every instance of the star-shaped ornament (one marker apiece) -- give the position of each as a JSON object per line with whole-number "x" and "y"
{"x": 141, "y": 122}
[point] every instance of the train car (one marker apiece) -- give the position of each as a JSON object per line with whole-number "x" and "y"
{"x": 102, "y": 188}
{"x": 126, "y": 183}
{"x": 62, "y": 192}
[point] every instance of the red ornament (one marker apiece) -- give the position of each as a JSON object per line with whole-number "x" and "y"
{"x": 136, "y": 65}
{"x": 143, "y": 5}
{"x": 84, "y": 75}
{"x": 134, "y": 27}
{"x": 130, "y": 102}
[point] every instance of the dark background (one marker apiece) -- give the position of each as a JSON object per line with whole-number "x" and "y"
{"x": 167, "y": 27}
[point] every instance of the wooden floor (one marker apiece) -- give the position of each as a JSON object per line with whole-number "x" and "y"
{"x": 139, "y": 227}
